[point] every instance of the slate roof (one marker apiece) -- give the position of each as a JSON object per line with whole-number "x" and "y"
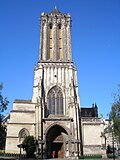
{"x": 90, "y": 112}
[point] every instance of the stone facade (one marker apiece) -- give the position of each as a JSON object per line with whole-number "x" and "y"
{"x": 22, "y": 117}
{"x": 53, "y": 114}
{"x": 93, "y": 140}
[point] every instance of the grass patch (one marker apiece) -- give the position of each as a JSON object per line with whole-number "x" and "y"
{"x": 10, "y": 155}
{"x": 96, "y": 156}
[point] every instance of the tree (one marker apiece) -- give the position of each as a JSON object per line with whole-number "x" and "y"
{"x": 115, "y": 114}
{"x": 3, "y": 106}
{"x": 29, "y": 146}
{"x": 115, "y": 117}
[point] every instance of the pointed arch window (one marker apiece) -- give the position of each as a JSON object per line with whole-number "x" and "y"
{"x": 22, "y": 134}
{"x": 55, "y": 101}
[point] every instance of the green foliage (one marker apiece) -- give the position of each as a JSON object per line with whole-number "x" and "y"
{"x": 96, "y": 156}
{"x": 3, "y": 101}
{"x": 3, "y": 106}
{"x": 111, "y": 155}
{"x": 3, "y": 154}
{"x": 29, "y": 146}
{"x": 115, "y": 115}
{"x": 2, "y": 136}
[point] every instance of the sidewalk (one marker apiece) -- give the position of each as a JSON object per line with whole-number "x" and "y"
{"x": 14, "y": 158}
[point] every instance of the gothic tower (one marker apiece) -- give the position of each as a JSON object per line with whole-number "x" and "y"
{"x": 55, "y": 89}
{"x": 52, "y": 116}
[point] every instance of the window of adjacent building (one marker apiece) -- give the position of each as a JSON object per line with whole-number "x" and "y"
{"x": 60, "y": 41}
{"x": 55, "y": 101}
{"x": 22, "y": 134}
{"x": 50, "y": 36}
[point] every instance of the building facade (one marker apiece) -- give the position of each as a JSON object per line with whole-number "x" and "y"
{"x": 53, "y": 116}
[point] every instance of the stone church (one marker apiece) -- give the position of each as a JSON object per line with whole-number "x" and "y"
{"x": 53, "y": 115}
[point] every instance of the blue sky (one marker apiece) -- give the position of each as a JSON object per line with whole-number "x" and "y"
{"x": 95, "y": 47}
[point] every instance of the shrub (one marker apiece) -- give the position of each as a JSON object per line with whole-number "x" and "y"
{"x": 29, "y": 146}
{"x": 110, "y": 155}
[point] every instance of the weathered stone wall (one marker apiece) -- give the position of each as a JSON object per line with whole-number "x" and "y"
{"x": 92, "y": 129}
{"x": 21, "y": 116}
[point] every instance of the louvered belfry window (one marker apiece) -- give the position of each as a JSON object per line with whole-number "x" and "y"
{"x": 55, "y": 101}
{"x": 50, "y": 36}
{"x": 60, "y": 41}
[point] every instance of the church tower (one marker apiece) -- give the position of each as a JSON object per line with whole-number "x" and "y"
{"x": 52, "y": 115}
{"x": 55, "y": 89}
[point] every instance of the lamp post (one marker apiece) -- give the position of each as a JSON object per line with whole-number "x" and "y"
{"x": 20, "y": 146}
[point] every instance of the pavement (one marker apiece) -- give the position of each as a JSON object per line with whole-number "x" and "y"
{"x": 14, "y": 158}
{"x": 5, "y": 158}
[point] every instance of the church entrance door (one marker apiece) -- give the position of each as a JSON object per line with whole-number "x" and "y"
{"x": 55, "y": 142}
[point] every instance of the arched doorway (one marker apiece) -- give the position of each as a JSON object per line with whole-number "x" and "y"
{"x": 55, "y": 141}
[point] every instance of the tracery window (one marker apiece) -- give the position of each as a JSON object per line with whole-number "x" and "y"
{"x": 22, "y": 134}
{"x": 55, "y": 101}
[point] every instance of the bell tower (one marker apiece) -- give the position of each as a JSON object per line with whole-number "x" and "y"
{"x": 52, "y": 116}
{"x": 55, "y": 90}
{"x": 55, "y": 37}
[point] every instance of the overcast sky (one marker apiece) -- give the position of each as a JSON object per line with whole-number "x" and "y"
{"x": 95, "y": 47}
